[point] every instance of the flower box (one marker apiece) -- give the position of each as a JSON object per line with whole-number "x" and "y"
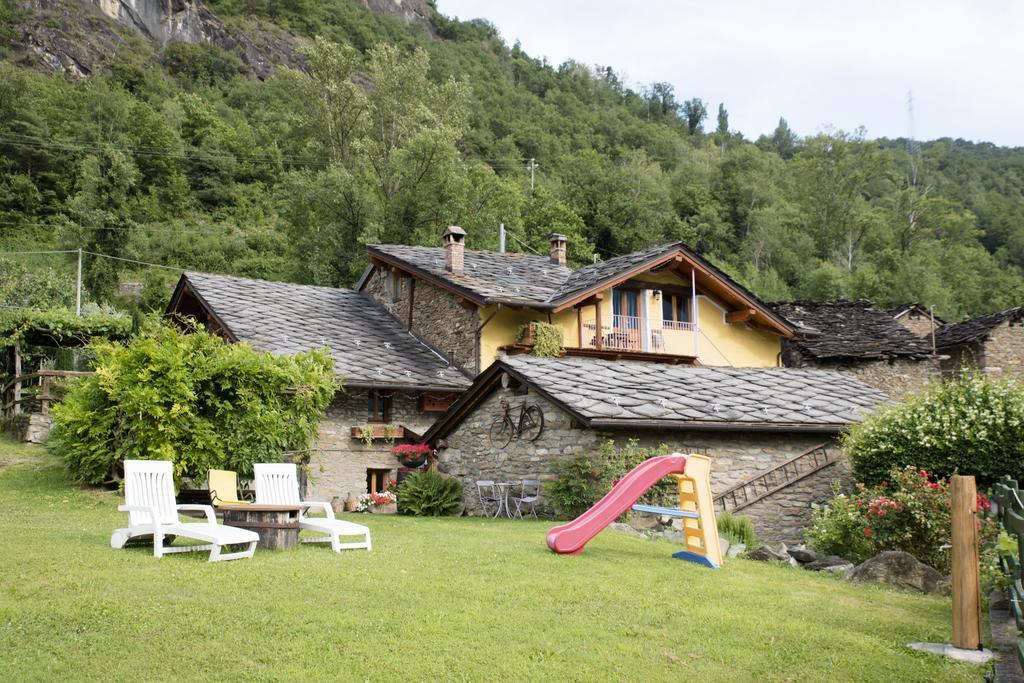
{"x": 380, "y": 431}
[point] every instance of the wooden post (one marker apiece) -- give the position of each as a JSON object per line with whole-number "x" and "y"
{"x": 579, "y": 326}
{"x": 44, "y": 398}
{"x": 16, "y": 394}
{"x": 598, "y": 332}
{"x": 966, "y": 585}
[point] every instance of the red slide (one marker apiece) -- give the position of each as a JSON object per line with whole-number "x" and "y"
{"x": 570, "y": 538}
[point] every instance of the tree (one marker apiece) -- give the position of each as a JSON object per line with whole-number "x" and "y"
{"x": 694, "y": 113}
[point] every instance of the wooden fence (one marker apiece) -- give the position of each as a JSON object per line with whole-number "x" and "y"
{"x": 1010, "y": 509}
{"x": 16, "y": 398}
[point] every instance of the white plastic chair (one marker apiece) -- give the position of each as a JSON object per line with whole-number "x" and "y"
{"x": 278, "y": 484}
{"x": 152, "y": 511}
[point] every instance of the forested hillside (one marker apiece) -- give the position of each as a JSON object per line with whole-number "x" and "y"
{"x": 187, "y": 154}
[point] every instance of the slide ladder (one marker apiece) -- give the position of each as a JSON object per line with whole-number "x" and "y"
{"x": 696, "y": 509}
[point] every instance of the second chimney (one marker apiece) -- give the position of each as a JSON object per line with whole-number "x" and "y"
{"x": 454, "y": 239}
{"x": 558, "y": 245}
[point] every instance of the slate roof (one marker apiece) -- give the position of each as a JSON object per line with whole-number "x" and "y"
{"x": 850, "y": 329}
{"x": 639, "y": 395}
{"x": 594, "y": 274}
{"x": 520, "y": 279}
{"x": 487, "y": 275}
{"x": 975, "y": 329}
{"x": 369, "y": 346}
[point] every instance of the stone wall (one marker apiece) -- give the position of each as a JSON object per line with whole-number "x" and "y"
{"x": 1004, "y": 351}
{"x": 30, "y": 427}
{"x": 339, "y": 461}
{"x": 736, "y": 457}
{"x": 917, "y": 324}
{"x": 437, "y": 315}
{"x": 959, "y": 357}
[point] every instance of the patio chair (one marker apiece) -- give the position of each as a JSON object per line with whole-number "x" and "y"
{"x": 223, "y": 485}
{"x": 528, "y": 497}
{"x": 278, "y": 484}
{"x": 489, "y": 494}
{"x": 149, "y": 502}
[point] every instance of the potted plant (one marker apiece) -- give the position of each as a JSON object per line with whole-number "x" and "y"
{"x": 382, "y": 502}
{"x": 411, "y": 455}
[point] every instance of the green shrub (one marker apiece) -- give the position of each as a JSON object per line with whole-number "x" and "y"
{"x": 428, "y": 494}
{"x": 584, "y": 479}
{"x": 909, "y": 512}
{"x": 194, "y": 399}
{"x": 970, "y": 425}
{"x": 737, "y": 529}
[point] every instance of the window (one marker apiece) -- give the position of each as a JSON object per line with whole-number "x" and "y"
{"x": 379, "y": 407}
{"x": 625, "y": 302}
{"x": 376, "y": 480}
{"x": 675, "y": 308}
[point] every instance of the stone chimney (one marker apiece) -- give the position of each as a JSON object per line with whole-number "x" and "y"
{"x": 558, "y": 246}
{"x": 454, "y": 239}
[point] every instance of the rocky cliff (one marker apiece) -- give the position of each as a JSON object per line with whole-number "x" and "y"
{"x": 77, "y": 37}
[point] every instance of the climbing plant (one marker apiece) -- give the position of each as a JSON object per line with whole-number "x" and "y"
{"x": 61, "y": 325}
{"x": 547, "y": 338}
{"x": 194, "y": 399}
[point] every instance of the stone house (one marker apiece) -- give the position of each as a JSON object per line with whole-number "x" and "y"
{"x": 393, "y": 382}
{"x": 750, "y": 421}
{"x": 991, "y": 343}
{"x": 918, "y": 319}
{"x": 854, "y": 338}
{"x": 663, "y": 304}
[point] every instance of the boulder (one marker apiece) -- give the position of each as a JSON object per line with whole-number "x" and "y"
{"x": 642, "y": 521}
{"x": 803, "y": 556}
{"x": 829, "y": 562}
{"x": 723, "y": 546}
{"x": 736, "y": 549}
{"x": 900, "y": 570}
{"x": 766, "y": 554}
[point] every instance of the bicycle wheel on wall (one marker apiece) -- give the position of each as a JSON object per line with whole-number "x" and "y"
{"x": 532, "y": 423}
{"x": 500, "y": 433}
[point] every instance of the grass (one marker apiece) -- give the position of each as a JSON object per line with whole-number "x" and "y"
{"x": 444, "y": 599}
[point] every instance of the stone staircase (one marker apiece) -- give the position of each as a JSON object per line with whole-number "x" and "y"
{"x": 764, "y": 484}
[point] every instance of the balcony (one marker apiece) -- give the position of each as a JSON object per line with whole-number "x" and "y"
{"x": 639, "y": 335}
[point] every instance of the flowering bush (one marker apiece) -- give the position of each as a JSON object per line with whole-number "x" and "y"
{"x": 910, "y": 512}
{"x": 970, "y": 425}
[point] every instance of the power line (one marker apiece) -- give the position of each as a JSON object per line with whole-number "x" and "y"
{"x": 522, "y": 243}
{"x": 129, "y": 260}
{"x": 57, "y": 251}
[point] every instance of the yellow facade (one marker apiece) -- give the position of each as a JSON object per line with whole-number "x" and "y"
{"x": 718, "y": 343}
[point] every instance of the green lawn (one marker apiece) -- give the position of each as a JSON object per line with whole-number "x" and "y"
{"x": 447, "y": 599}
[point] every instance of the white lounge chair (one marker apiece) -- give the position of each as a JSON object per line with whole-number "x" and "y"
{"x": 278, "y": 484}
{"x": 149, "y": 502}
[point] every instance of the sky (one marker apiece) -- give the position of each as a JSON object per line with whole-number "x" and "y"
{"x": 821, "y": 65}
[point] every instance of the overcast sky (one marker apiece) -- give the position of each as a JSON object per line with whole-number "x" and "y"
{"x": 818, "y": 64}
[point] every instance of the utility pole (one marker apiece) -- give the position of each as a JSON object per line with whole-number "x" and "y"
{"x": 531, "y": 167}
{"x": 501, "y": 238}
{"x": 78, "y": 285}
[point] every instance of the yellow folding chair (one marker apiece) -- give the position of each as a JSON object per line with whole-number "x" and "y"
{"x": 223, "y": 485}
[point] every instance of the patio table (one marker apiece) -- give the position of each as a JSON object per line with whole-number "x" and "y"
{"x": 504, "y": 487}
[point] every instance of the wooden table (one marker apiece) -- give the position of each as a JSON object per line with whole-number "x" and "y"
{"x": 277, "y": 525}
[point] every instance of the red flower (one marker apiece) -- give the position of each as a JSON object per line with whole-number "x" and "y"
{"x": 867, "y": 532}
